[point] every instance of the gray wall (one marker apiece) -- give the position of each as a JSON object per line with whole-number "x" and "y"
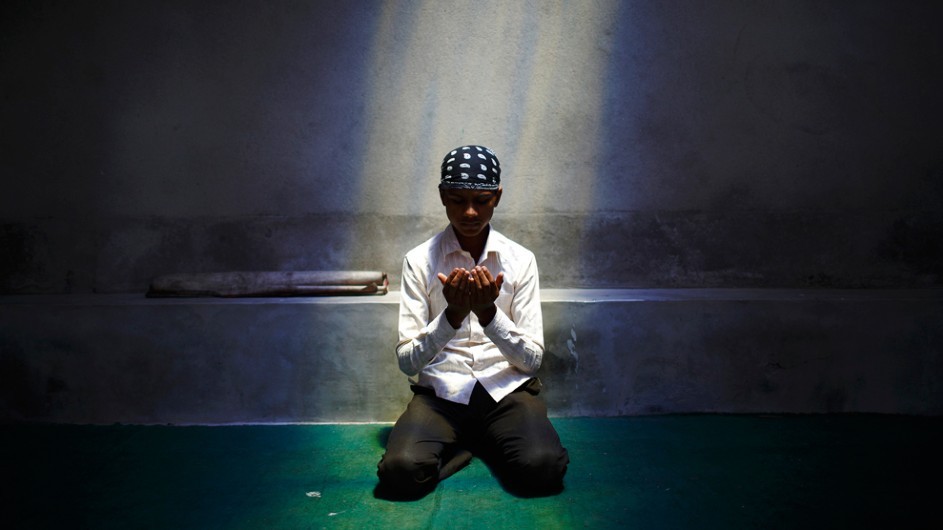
{"x": 125, "y": 358}
{"x": 645, "y": 144}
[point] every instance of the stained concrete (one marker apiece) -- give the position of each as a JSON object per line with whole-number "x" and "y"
{"x": 882, "y": 249}
{"x": 678, "y": 144}
{"x": 125, "y": 358}
{"x": 645, "y": 144}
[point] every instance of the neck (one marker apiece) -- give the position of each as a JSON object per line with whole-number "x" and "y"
{"x": 473, "y": 245}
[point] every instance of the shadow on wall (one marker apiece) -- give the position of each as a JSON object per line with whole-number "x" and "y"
{"x": 162, "y": 137}
{"x": 776, "y": 144}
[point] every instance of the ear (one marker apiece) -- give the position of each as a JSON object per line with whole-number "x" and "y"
{"x": 497, "y": 195}
{"x": 442, "y": 196}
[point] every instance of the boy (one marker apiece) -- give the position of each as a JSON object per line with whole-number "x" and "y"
{"x": 471, "y": 341}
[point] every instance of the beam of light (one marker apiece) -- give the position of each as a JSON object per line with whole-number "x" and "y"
{"x": 525, "y": 78}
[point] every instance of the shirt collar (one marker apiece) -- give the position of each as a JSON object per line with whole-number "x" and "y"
{"x": 450, "y": 243}
{"x": 493, "y": 244}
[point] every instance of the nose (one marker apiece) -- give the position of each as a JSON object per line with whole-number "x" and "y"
{"x": 471, "y": 211}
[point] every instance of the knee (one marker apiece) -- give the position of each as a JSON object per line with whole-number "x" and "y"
{"x": 407, "y": 473}
{"x": 546, "y": 463}
{"x": 538, "y": 470}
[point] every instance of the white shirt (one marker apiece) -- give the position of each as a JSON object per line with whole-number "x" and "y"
{"x": 502, "y": 355}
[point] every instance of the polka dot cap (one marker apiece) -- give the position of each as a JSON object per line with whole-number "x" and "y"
{"x": 471, "y": 167}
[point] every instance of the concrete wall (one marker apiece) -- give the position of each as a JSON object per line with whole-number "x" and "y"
{"x": 124, "y": 358}
{"x": 645, "y": 144}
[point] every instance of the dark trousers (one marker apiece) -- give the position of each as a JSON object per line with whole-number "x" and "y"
{"x": 435, "y": 437}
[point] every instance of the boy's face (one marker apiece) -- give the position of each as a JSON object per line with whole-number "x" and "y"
{"x": 469, "y": 211}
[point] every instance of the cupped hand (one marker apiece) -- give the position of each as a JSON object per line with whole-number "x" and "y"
{"x": 455, "y": 289}
{"x": 466, "y": 291}
{"x": 484, "y": 288}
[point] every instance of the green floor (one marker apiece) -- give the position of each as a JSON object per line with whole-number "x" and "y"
{"x": 648, "y": 472}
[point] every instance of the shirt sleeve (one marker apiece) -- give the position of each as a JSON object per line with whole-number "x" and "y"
{"x": 420, "y": 340}
{"x": 520, "y": 335}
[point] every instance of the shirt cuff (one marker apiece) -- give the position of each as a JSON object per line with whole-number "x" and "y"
{"x": 440, "y": 331}
{"x": 499, "y": 327}
{"x": 512, "y": 343}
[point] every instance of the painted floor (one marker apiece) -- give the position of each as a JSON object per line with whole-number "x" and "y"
{"x": 844, "y": 471}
